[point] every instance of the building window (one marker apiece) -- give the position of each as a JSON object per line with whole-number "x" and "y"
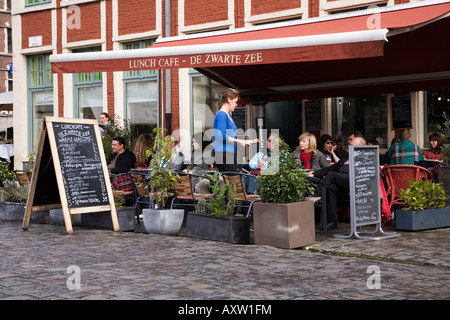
{"x": 206, "y": 101}
{"x": 88, "y": 88}
{"x": 32, "y": 2}
{"x": 367, "y": 114}
{"x": 141, "y": 95}
{"x": 40, "y": 87}
{"x": 437, "y": 103}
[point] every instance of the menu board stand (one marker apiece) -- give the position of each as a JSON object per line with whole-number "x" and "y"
{"x": 365, "y": 198}
{"x": 70, "y": 171}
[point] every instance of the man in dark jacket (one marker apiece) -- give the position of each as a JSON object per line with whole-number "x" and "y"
{"x": 119, "y": 163}
{"x": 337, "y": 181}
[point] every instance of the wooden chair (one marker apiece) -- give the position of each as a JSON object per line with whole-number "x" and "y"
{"x": 185, "y": 195}
{"x": 24, "y": 177}
{"x": 396, "y": 177}
{"x": 243, "y": 200}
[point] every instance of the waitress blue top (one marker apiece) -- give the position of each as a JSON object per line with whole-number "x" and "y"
{"x": 224, "y": 128}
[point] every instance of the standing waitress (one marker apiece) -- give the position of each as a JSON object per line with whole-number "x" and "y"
{"x": 225, "y": 133}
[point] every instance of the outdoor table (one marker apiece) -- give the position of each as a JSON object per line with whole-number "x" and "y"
{"x": 6, "y": 151}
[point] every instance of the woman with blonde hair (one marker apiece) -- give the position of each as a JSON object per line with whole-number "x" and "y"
{"x": 307, "y": 153}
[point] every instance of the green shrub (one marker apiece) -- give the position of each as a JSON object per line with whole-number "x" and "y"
{"x": 13, "y": 192}
{"x": 421, "y": 195}
{"x": 5, "y": 174}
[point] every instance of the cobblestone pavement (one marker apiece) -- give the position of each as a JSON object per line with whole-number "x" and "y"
{"x": 45, "y": 262}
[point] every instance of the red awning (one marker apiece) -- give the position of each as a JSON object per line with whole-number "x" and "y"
{"x": 377, "y": 48}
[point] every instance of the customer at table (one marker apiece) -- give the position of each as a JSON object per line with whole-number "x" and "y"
{"x": 307, "y": 153}
{"x": 2, "y": 137}
{"x": 225, "y": 139}
{"x": 119, "y": 163}
{"x": 435, "y": 151}
{"x": 404, "y": 151}
{"x": 325, "y": 146}
{"x": 337, "y": 181}
{"x": 143, "y": 143}
{"x": 200, "y": 163}
{"x": 386, "y": 155}
{"x": 261, "y": 159}
{"x": 338, "y": 149}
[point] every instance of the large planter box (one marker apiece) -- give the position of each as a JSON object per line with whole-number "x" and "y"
{"x": 285, "y": 226}
{"x": 422, "y": 220}
{"x": 57, "y": 218}
{"x": 14, "y": 211}
{"x": 225, "y": 229}
{"x": 102, "y": 220}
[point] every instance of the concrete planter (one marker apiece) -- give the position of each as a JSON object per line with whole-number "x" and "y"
{"x": 423, "y": 219}
{"x": 285, "y": 226}
{"x": 166, "y": 221}
{"x": 102, "y": 220}
{"x": 14, "y": 211}
{"x": 225, "y": 229}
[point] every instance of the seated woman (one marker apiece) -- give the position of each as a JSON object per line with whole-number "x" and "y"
{"x": 260, "y": 161}
{"x": 143, "y": 143}
{"x": 119, "y": 164}
{"x": 435, "y": 152}
{"x": 308, "y": 154}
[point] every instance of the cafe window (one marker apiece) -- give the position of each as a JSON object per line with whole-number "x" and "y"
{"x": 367, "y": 114}
{"x": 437, "y": 102}
{"x": 141, "y": 95}
{"x": 206, "y": 101}
{"x": 40, "y": 88}
{"x": 88, "y": 87}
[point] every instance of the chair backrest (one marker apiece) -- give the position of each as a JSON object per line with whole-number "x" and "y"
{"x": 240, "y": 191}
{"x": 23, "y": 177}
{"x": 183, "y": 188}
{"x": 140, "y": 184}
{"x": 398, "y": 175}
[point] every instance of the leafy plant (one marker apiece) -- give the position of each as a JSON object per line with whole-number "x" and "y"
{"x": 114, "y": 129}
{"x": 444, "y": 131}
{"x": 283, "y": 181}
{"x": 421, "y": 195}
{"x": 6, "y": 174}
{"x": 223, "y": 201}
{"x": 119, "y": 201}
{"x": 162, "y": 178}
{"x": 13, "y": 192}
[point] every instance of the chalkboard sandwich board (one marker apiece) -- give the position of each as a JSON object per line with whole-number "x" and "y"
{"x": 365, "y": 194}
{"x": 70, "y": 171}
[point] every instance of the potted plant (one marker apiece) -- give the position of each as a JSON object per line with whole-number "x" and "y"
{"x": 15, "y": 198}
{"x": 424, "y": 207}
{"x": 283, "y": 219}
{"x": 161, "y": 181}
{"x": 214, "y": 217}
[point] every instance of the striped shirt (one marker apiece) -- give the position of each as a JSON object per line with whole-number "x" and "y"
{"x": 404, "y": 152}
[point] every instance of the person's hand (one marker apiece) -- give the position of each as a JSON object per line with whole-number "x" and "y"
{"x": 261, "y": 164}
{"x": 243, "y": 143}
{"x": 187, "y": 171}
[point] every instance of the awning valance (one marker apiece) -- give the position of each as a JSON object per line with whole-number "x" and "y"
{"x": 313, "y": 54}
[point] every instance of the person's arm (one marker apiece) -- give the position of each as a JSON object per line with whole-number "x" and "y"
{"x": 253, "y": 163}
{"x": 221, "y": 125}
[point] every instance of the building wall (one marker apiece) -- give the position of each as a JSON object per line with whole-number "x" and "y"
{"x": 5, "y": 51}
{"x": 66, "y": 25}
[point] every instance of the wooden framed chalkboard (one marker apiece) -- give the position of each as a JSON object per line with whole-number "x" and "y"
{"x": 313, "y": 115}
{"x": 365, "y": 194}
{"x": 401, "y": 112}
{"x": 70, "y": 171}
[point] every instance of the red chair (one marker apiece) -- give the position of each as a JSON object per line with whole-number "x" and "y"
{"x": 396, "y": 177}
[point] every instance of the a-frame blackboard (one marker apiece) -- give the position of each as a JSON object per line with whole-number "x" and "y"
{"x": 70, "y": 171}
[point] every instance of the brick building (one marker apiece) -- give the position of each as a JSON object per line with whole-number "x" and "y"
{"x": 6, "y": 82}
{"x": 174, "y": 98}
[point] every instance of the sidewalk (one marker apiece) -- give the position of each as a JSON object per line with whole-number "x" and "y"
{"x": 44, "y": 263}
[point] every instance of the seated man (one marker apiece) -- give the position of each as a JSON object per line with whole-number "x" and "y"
{"x": 337, "y": 180}
{"x": 119, "y": 163}
{"x": 404, "y": 151}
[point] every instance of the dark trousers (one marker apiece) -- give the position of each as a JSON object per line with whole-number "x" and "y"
{"x": 336, "y": 183}
{"x": 225, "y": 161}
